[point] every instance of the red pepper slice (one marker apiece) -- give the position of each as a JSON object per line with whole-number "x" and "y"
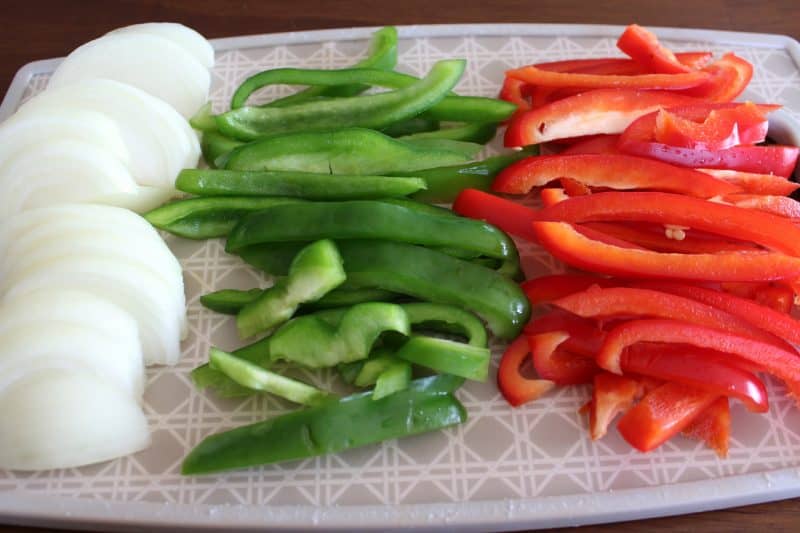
{"x": 570, "y": 246}
{"x": 713, "y": 426}
{"x": 583, "y": 336}
{"x": 610, "y": 64}
{"x": 545, "y": 289}
{"x": 509, "y": 216}
{"x": 765, "y": 229}
{"x": 723, "y": 126}
{"x": 729, "y": 78}
{"x": 777, "y": 297}
{"x": 643, "y": 47}
{"x": 781, "y": 206}
{"x": 597, "y": 144}
{"x": 608, "y": 170}
{"x": 637, "y": 139}
{"x": 557, "y": 364}
{"x": 663, "y": 413}
{"x": 753, "y": 183}
{"x": 552, "y": 195}
{"x": 699, "y": 368}
{"x": 512, "y": 92}
{"x": 655, "y": 237}
{"x": 516, "y": 388}
{"x": 611, "y": 395}
{"x": 611, "y": 302}
{"x": 781, "y": 363}
{"x": 588, "y": 113}
{"x": 777, "y": 323}
{"x": 547, "y": 78}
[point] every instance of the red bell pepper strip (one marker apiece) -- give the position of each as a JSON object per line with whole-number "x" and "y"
{"x": 655, "y": 238}
{"x": 570, "y": 246}
{"x": 765, "y": 229}
{"x": 554, "y": 363}
{"x": 611, "y": 302}
{"x": 712, "y": 426}
{"x": 597, "y": 144}
{"x": 512, "y": 92}
{"x": 637, "y": 139}
{"x": 663, "y": 413}
{"x": 781, "y": 363}
{"x": 643, "y": 47}
{"x": 588, "y": 113}
{"x": 611, "y": 395}
{"x": 552, "y": 195}
{"x": 612, "y": 171}
{"x": 781, "y": 206}
{"x": 609, "y": 64}
{"x": 777, "y": 297}
{"x": 775, "y": 322}
{"x": 546, "y": 289}
{"x": 509, "y": 216}
{"x": 722, "y": 126}
{"x": 516, "y": 388}
{"x": 699, "y": 368}
{"x": 584, "y": 338}
{"x": 547, "y": 78}
{"x": 755, "y": 183}
{"x": 573, "y": 187}
{"x": 729, "y": 78}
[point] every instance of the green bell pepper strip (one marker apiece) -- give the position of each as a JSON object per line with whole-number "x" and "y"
{"x": 394, "y": 378}
{"x": 231, "y": 301}
{"x": 411, "y": 126}
{"x": 206, "y": 218}
{"x": 480, "y": 133}
{"x": 216, "y": 147}
{"x": 260, "y": 379}
{"x": 426, "y": 405}
{"x": 316, "y": 270}
{"x": 342, "y": 151}
{"x": 382, "y": 54}
{"x": 365, "y": 219}
{"x": 424, "y": 274}
{"x": 470, "y": 109}
{"x": 467, "y": 149}
{"x": 447, "y": 319}
{"x": 306, "y": 185}
{"x": 379, "y": 360}
{"x": 203, "y": 120}
{"x": 370, "y": 111}
{"x": 446, "y": 356}
{"x": 445, "y": 183}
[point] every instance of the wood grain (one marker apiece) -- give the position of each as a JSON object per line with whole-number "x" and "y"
{"x": 34, "y": 30}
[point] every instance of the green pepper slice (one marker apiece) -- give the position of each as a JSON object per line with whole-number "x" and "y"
{"x": 427, "y": 404}
{"x": 231, "y": 301}
{"x": 478, "y": 132}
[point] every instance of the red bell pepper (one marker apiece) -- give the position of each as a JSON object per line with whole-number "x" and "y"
{"x": 611, "y": 65}
{"x": 584, "y": 337}
{"x": 638, "y": 139}
{"x": 509, "y": 216}
{"x": 699, "y": 368}
{"x": 588, "y": 113}
{"x": 573, "y": 187}
{"x": 597, "y": 144}
{"x": 552, "y": 195}
{"x": 781, "y": 363}
{"x": 717, "y": 126}
{"x": 777, "y": 323}
{"x": 643, "y": 47}
{"x": 654, "y": 237}
{"x": 663, "y": 413}
{"x": 765, "y": 229}
{"x": 755, "y": 183}
{"x": 712, "y": 426}
{"x": 570, "y": 246}
{"x": 555, "y": 363}
{"x": 546, "y": 289}
{"x": 729, "y": 78}
{"x": 611, "y": 302}
{"x": 781, "y": 206}
{"x": 547, "y": 78}
{"x": 777, "y": 297}
{"x": 512, "y": 92}
{"x": 611, "y": 395}
{"x": 514, "y": 386}
{"x": 612, "y": 171}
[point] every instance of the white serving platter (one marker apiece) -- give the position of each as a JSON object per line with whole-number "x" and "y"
{"x": 505, "y": 468}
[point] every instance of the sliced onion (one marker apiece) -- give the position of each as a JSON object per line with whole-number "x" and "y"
{"x": 67, "y": 418}
{"x": 152, "y": 63}
{"x": 185, "y": 37}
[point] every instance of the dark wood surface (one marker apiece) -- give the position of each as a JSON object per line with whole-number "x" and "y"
{"x": 39, "y": 29}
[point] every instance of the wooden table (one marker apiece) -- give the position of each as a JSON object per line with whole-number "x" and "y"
{"x": 42, "y": 29}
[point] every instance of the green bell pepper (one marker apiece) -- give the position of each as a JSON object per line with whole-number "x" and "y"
{"x": 231, "y": 301}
